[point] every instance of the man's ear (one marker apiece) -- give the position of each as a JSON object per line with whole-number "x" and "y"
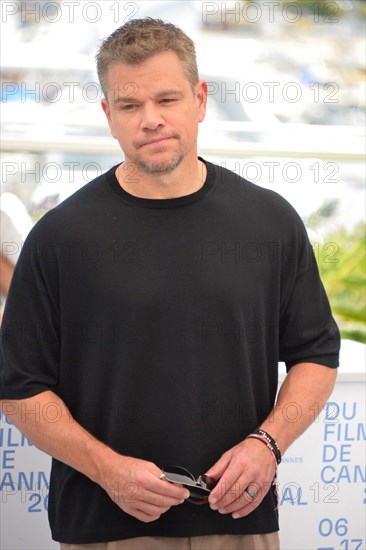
{"x": 105, "y": 106}
{"x": 201, "y": 91}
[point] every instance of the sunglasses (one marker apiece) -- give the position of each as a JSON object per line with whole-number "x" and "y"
{"x": 199, "y": 488}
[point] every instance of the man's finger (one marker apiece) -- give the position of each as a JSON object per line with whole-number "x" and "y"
{"x": 249, "y": 498}
{"x": 227, "y": 490}
{"x": 163, "y": 487}
{"x": 219, "y": 467}
{"x": 161, "y": 500}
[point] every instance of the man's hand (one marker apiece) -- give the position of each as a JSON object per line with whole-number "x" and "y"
{"x": 135, "y": 486}
{"x": 249, "y": 465}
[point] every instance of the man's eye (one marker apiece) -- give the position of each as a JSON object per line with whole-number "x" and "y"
{"x": 128, "y": 107}
{"x": 168, "y": 100}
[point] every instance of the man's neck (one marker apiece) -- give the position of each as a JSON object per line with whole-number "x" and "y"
{"x": 182, "y": 181}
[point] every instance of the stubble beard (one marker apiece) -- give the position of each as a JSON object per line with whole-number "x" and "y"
{"x": 160, "y": 167}
{"x": 154, "y": 167}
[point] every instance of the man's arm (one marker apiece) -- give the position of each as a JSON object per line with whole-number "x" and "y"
{"x": 133, "y": 484}
{"x": 6, "y": 273}
{"x": 302, "y": 396}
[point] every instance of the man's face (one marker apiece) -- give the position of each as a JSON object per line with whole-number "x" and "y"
{"x": 153, "y": 112}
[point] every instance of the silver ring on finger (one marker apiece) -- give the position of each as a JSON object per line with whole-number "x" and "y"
{"x": 252, "y": 494}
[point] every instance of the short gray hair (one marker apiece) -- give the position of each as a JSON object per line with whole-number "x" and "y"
{"x": 140, "y": 39}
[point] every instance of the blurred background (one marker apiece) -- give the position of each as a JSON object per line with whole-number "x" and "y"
{"x": 286, "y": 110}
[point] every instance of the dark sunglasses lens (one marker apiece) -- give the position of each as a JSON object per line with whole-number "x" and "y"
{"x": 209, "y": 482}
{"x": 198, "y": 495}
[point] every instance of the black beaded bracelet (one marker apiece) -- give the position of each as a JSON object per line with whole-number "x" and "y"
{"x": 272, "y": 442}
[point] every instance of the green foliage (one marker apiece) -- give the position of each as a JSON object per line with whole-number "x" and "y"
{"x": 342, "y": 261}
{"x": 327, "y": 209}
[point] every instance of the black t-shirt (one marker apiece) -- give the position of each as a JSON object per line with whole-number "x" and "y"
{"x": 160, "y": 323}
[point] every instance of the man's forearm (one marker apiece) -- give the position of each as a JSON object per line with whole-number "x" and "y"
{"x": 63, "y": 438}
{"x": 46, "y": 421}
{"x": 6, "y": 273}
{"x": 302, "y": 396}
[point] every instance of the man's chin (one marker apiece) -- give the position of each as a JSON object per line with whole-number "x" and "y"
{"x": 163, "y": 166}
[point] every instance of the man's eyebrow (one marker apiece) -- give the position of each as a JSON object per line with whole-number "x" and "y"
{"x": 127, "y": 99}
{"x": 172, "y": 91}
{"x": 164, "y": 93}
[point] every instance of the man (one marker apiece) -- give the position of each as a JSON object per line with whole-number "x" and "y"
{"x": 164, "y": 294}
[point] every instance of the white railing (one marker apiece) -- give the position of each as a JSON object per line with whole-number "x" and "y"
{"x": 226, "y": 138}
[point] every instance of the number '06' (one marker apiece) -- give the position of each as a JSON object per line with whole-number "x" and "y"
{"x": 339, "y": 527}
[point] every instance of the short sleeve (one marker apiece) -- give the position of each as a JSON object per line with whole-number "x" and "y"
{"x": 29, "y": 360}
{"x": 308, "y": 331}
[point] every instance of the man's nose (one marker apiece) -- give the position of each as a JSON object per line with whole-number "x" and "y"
{"x": 151, "y": 117}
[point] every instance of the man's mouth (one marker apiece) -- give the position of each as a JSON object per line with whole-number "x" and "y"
{"x": 157, "y": 140}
